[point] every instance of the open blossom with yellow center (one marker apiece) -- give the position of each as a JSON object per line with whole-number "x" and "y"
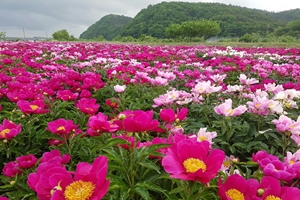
{"x": 234, "y": 194}
{"x": 4, "y": 132}
{"x": 79, "y": 190}
{"x": 193, "y": 164}
{"x": 272, "y": 197}
{"x": 34, "y": 107}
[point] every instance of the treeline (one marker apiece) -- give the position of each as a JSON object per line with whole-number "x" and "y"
{"x": 234, "y": 22}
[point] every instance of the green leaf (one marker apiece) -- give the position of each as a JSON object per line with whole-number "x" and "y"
{"x": 177, "y": 190}
{"x": 117, "y": 183}
{"x": 150, "y": 165}
{"x": 143, "y": 192}
{"x": 113, "y": 142}
{"x": 152, "y": 187}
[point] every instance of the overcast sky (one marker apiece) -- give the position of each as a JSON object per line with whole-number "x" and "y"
{"x": 43, "y": 17}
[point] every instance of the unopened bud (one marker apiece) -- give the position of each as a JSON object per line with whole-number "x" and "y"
{"x": 5, "y": 141}
{"x": 121, "y": 116}
{"x": 260, "y": 192}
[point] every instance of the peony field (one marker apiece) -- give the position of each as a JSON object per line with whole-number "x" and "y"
{"x": 90, "y": 121}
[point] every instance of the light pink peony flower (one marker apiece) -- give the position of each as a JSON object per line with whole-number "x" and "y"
{"x": 226, "y": 109}
{"x": 119, "y": 88}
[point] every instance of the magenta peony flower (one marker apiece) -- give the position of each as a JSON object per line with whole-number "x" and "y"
{"x": 26, "y": 162}
{"x": 192, "y": 160}
{"x": 270, "y": 189}
{"x": 9, "y": 130}
{"x": 113, "y": 102}
{"x": 11, "y": 169}
{"x": 3, "y": 198}
{"x": 139, "y": 121}
{"x": 169, "y": 116}
{"x": 62, "y": 127}
{"x": 98, "y": 124}
{"x": 55, "y": 155}
{"x": 53, "y": 181}
{"x": 66, "y": 95}
{"x": 34, "y": 107}
{"x": 88, "y": 106}
{"x": 237, "y": 187}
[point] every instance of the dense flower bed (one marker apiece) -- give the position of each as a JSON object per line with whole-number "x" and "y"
{"x": 116, "y": 121}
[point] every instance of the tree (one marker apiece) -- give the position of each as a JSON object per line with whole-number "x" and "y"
{"x": 2, "y": 35}
{"x": 174, "y": 31}
{"x": 63, "y": 35}
{"x": 203, "y": 28}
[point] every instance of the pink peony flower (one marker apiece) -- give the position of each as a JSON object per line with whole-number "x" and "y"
{"x": 226, "y": 109}
{"x": 26, "y": 162}
{"x": 139, "y": 121}
{"x": 237, "y": 187}
{"x": 113, "y": 103}
{"x": 169, "y": 116}
{"x": 205, "y": 135}
{"x": 11, "y": 169}
{"x": 192, "y": 160}
{"x": 62, "y": 127}
{"x": 66, "y": 95}
{"x": 259, "y": 106}
{"x": 88, "y": 106}
{"x": 53, "y": 181}
{"x": 9, "y": 130}
{"x": 34, "y": 107}
{"x": 283, "y": 123}
{"x": 270, "y": 188}
{"x": 99, "y": 124}
{"x": 55, "y": 155}
{"x": 119, "y": 88}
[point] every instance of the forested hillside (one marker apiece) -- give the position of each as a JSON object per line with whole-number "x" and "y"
{"x": 235, "y": 21}
{"x": 108, "y": 26}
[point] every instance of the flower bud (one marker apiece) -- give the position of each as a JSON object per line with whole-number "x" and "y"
{"x": 260, "y": 192}
{"x": 122, "y": 116}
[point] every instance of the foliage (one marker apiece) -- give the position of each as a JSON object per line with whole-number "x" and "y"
{"x": 108, "y": 26}
{"x": 290, "y": 29}
{"x": 2, "y": 35}
{"x": 249, "y": 38}
{"x": 63, "y": 35}
{"x": 236, "y": 21}
{"x": 190, "y": 29}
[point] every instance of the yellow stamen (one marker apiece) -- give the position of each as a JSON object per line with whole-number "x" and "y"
{"x": 79, "y": 190}
{"x": 61, "y": 128}
{"x": 4, "y": 132}
{"x": 234, "y": 194}
{"x": 202, "y": 137}
{"x": 34, "y": 107}
{"x": 193, "y": 164}
{"x": 272, "y": 197}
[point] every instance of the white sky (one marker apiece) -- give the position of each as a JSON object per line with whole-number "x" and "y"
{"x": 43, "y": 17}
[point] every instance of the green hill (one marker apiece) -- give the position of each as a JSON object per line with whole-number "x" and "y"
{"x": 108, "y": 26}
{"x": 235, "y": 20}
